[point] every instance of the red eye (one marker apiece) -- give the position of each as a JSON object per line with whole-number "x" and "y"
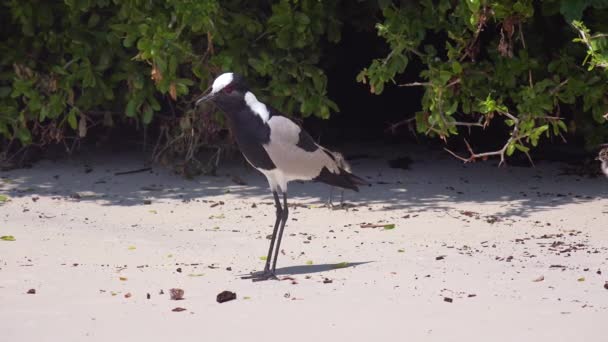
{"x": 228, "y": 89}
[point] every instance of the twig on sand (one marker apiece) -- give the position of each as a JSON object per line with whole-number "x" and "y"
{"x": 132, "y": 171}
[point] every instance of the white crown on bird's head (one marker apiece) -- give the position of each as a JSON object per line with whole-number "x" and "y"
{"x": 225, "y": 84}
{"x": 230, "y": 86}
{"x": 222, "y": 81}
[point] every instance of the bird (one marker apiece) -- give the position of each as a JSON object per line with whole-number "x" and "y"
{"x": 342, "y": 163}
{"x": 278, "y": 148}
{"x": 603, "y": 157}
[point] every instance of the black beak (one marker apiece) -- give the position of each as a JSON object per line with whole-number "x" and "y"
{"x": 205, "y": 98}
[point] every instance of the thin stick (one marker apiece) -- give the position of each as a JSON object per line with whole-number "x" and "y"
{"x": 132, "y": 171}
{"x": 414, "y": 84}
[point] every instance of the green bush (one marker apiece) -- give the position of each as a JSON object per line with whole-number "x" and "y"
{"x": 66, "y": 66}
{"x": 517, "y": 60}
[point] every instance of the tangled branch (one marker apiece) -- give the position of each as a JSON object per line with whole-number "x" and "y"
{"x": 515, "y": 137}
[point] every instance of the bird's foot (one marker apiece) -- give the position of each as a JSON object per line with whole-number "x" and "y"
{"x": 261, "y": 276}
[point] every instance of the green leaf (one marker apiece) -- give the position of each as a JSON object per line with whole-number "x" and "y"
{"x": 473, "y": 5}
{"x": 131, "y": 107}
{"x": 389, "y": 226}
{"x": 7, "y": 238}
{"x": 147, "y": 115}
{"x": 24, "y": 135}
{"x": 72, "y": 120}
{"x": 522, "y": 148}
{"x": 456, "y": 67}
{"x": 573, "y": 9}
{"x": 3, "y": 198}
{"x": 510, "y": 149}
{"x": 452, "y": 109}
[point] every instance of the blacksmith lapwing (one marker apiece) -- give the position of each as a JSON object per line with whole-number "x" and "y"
{"x": 278, "y": 148}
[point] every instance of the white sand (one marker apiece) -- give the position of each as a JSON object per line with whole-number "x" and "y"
{"x": 394, "y": 291}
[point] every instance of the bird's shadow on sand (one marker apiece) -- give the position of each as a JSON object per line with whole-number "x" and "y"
{"x": 309, "y": 269}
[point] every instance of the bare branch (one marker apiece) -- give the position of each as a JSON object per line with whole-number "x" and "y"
{"x": 514, "y": 138}
{"x": 599, "y": 35}
{"x": 393, "y": 127}
{"x": 471, "y": 124}
{"x": 521, "y": 35}
{"x": 586, "y": 39}
{"x": 427, "y": 84}
{"x": 454, "y": 82}
{"x": 415, "y": 84}
{"x": 559, "y": 86}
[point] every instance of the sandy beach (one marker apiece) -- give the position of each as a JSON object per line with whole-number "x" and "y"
{"x": 441, "y": 251}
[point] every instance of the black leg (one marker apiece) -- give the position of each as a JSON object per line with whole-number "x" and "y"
{"x": 266, "y": 274}
{"x": 277, "y": 203}
{"x": 285, "y": 216}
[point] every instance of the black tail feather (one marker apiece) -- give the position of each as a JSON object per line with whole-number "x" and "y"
{"x": 344, "y": 179}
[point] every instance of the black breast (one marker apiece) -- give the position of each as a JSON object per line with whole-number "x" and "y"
{"x": 251, "y": 132}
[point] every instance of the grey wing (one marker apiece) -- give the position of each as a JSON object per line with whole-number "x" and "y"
{"x": 294, "y": 152}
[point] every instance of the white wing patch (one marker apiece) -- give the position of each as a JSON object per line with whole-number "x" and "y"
{"x": 221, "y": 81}
{"x": 256, "y": 106}
{"x": 292, "y": 161}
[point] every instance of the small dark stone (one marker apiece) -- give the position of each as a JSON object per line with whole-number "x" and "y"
{"x": 148, "y": 296}
{"x": 178, "y": 309}
{"x": 179, "y": 270}
{"x": 225, "y": 296}
{"x": 327, "y": 281}
{"x": 447, "y": 299}
{"x": 147, "y": 202}
{"x": 606, "y": 285}
{"x": 176, "y": 294}
{"x": 228, "y": 268}
{"x": 161, "y": 292}
{"x": 441, "y": 257}
{"x": 31, "y": 291}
